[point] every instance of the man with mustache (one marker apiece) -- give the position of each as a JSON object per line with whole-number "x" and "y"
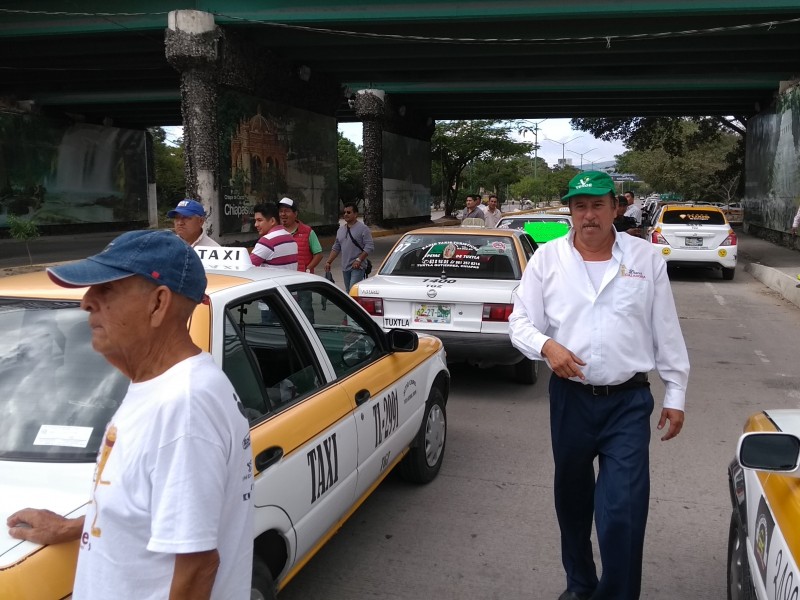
{"x": 597, "y": 306}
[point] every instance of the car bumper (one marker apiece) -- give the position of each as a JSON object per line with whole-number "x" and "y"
{"x": 724, "y": 256}
{"x": 481, "y": 349}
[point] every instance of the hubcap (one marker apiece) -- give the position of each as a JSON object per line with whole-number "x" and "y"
{"x": 737, "y": 567}
{"x": 434, "y": 435}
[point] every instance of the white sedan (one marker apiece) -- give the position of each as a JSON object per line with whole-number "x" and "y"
{"x": 764, "y": 483}
{"x": 456, "y": 284}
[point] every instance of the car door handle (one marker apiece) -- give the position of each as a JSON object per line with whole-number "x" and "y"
{"x": 267, "y": 458}
{"x": 362, "y": 397}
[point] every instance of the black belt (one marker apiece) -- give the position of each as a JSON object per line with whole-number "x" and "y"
{"x": 637, "y": 381}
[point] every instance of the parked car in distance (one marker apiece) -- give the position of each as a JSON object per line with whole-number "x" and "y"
{"x": 334, "y": 404}
{"x": 764, "y": 484}
{"x": 456, "y": 284}
{"x": 688, "y": 235}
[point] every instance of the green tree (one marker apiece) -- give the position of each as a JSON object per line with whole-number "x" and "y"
{"x": 351, "y": 168}
{"x": 23, "y": 230}
{"x": 698, "y": 172}
{"x": 170, "y": 175}
{"x": 457, "y": 145}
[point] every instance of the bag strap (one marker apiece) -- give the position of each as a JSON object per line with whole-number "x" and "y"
{"x": 360, "y": 247}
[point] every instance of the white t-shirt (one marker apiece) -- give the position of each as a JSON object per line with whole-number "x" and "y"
{"x": 174, "y": 476}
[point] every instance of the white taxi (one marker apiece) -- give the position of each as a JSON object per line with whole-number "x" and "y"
{"x": 764, "y": 481}
{"x": 689, "y": 235}
{"x": 334, "y": 402}
{"x": 456, "y": 284}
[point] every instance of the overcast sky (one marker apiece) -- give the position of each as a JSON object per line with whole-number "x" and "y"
{"x": 593, "y": 150}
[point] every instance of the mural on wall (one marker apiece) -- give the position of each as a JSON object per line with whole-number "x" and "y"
{"x": 55, "y": 173}
{"x": 406, "y": 177}
{"x": 268, "y": 151}
{"x": 772, "y": 164}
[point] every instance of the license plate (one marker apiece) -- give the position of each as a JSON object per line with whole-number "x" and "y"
{"x": 694, "y": 241}
{"x": 432, "y": 313}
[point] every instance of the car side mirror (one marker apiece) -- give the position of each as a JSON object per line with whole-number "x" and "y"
{"x": 402, "y": 340}
{"x": 774, "y": 452}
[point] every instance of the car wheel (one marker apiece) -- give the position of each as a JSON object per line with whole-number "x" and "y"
{"x": 526, "y": 371}
{"x": 740, "y": 581}
{"x": 727, "y": 274}
{"x": 262, "y": 586}
{"x": 423, "y": 461}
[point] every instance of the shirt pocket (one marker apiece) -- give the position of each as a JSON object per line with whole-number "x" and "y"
{"x": 631, "y": 295}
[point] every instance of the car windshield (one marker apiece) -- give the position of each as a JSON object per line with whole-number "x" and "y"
{"x": 694, "y": 216}
{"x": 56, "y": 392}
{"x": 474, "y": 256}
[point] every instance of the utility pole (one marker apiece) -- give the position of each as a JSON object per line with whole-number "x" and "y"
{"x": 535, "y": 131}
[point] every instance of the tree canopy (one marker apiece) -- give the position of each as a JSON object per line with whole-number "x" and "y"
{"x": 351, "y": 166}
{"x": 170, "y": 175}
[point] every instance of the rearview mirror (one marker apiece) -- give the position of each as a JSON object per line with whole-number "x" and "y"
{"x": 768, "y": 451}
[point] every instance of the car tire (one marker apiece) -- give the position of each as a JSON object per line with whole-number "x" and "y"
{"x": 424, "y": 459}
{"x": 740, "y": 580}
{"x": 262, "y": 586}
{"x": 526, "y": 371}
{"x": 727, "y": 274}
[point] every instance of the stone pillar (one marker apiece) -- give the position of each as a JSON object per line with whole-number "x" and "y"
{"x": 369, "y": 108}
{"x": 191, "y": 48}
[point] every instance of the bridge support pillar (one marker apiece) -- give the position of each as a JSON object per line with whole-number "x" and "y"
{"x": 192, "y": 49}
{"x": 369, "y": 108}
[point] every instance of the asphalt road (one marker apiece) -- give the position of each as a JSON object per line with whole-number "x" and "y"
{"x": 486, "y": 528}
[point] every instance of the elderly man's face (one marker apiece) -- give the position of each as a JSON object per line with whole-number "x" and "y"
{"x": 592, "y": 217}
{"x": 118, "y": 317}
{"x": 288, "y": 218}
{"x": 188, "y": 228}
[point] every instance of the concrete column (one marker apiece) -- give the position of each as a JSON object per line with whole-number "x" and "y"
{"x": 191, "y": 48}
{"x": 369, "y": 108}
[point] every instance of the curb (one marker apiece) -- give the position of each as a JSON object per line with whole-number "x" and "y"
{"x": 776, "y": 280}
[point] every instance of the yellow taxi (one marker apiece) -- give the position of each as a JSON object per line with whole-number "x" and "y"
{"x": 764, "y": 481}
{"x": 334, "y": 402}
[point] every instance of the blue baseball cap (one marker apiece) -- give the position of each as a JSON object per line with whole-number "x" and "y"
{"x": 159, "y": 256}
{"x": 187, "y": 208}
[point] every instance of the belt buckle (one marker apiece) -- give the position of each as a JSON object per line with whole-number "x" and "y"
{"x": 599, "y": 390}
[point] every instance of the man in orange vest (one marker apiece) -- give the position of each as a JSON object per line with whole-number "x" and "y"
{"x": 309, "y": 250}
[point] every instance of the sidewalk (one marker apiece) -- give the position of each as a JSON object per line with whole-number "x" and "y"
{"x": 774, "y": 266}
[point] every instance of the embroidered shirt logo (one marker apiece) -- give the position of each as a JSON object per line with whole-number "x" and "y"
{"x": 626, "y": 272}
{"x": 584, "y": 183}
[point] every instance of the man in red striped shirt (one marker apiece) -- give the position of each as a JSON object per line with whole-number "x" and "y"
{"x": 276, "y": 247}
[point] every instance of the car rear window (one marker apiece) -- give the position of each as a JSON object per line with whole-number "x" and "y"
{"x": 694, "y": 216}
{"x": 474, "y": 256}
{"x": 519, "y": 223}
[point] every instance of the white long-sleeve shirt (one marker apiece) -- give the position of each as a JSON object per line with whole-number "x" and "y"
{"x": 629, "y": 325}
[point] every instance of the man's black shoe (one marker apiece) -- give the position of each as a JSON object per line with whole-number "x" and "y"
{"x": 573, "y": 596}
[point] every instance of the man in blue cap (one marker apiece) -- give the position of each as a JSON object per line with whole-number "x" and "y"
{"x": 597, "y": 306}
{"x": 188, "y": 219}
{"x": 170, "y": 512}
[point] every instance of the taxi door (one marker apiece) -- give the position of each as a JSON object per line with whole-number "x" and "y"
{"x": 303, "y": 433}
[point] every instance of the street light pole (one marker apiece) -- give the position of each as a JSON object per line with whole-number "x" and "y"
{"x": 535, "y": 130}
{"x": 563, "y": 147}
{"x": 581, "y": 154}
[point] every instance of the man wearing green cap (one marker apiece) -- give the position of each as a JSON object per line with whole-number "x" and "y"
{"x": 597, "y": 306}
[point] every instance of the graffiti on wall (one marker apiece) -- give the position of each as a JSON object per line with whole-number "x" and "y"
{"x": 772, "y": 164}
{"x": 55, "y": 173}
{"x": 268, "y": 151}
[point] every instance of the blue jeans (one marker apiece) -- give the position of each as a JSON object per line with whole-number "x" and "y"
{"x": 352, "y": 277}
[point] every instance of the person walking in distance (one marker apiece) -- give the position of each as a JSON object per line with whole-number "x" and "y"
{"x": 598, "y": 307}
{"x": 354, "y": 242}
{"x": 492, "y": 213}
{"x": 472, "y": 210}
{"x": 309, "y": 250}
{"x": 170, "y": 514}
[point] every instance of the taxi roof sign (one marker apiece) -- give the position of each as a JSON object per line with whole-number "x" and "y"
{"x": 223, "y": 258}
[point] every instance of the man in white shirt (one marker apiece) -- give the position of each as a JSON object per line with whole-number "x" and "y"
{"x": 492, "y": 213}
{"x": 170, "y": 514}
{"x": 597, "y": 306}
{"x": 188, "y": 219}
{"x": 633, "y": 210}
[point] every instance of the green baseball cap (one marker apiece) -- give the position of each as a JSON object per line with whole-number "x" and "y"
{"x": 590, "y": 183}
